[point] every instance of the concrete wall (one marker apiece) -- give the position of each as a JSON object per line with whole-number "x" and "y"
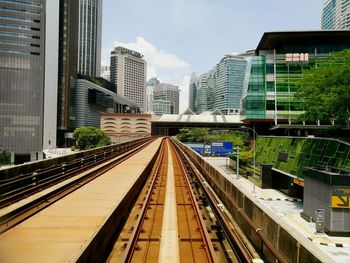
{"x": 292, "y": 245}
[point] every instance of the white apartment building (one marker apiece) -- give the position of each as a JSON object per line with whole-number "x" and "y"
{"x": 128, "y": 71}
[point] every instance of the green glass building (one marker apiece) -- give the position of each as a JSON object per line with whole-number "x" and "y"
{"x": 276, "y": 67}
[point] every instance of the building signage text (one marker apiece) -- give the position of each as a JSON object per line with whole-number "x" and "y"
{"x": 297, "y": 57}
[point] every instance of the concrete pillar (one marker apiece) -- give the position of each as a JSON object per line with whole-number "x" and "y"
{"x": 12, "y": 157}
{"x": 266, "y": 176}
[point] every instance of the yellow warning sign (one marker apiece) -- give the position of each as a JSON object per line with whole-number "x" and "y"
{"x": 340, "y": 201}
{"x": 298, "y": 182}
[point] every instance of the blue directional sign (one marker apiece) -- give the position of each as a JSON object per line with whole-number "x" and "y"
{"x": 222, "y": 148}
{"x": 196, "y": 146}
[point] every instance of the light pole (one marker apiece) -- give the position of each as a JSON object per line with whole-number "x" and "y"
{"x": 254, "y": 133}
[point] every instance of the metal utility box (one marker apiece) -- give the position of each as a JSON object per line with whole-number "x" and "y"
{"x": 327, "y": 194}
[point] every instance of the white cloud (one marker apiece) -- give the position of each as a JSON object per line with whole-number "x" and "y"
{"x": 159, "y": 62}
{"x": 167, "y": 67}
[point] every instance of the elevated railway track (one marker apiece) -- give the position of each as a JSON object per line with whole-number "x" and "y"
{"x": 147, "y": 203}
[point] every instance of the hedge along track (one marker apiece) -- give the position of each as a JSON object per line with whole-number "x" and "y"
{"x": 145, "y": 237}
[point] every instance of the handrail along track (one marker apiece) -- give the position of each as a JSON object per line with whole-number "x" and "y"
{"x": 19, "y": 214}
{"x": 21, "y": 186}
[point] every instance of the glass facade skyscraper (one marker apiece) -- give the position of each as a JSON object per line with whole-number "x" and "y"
{"x": 229, "y": 79}
{"x": 90, "y": 29}
{"x": 28, "y": 66}
{"x": 336, "y": 14}
{"x": 221, "y": 87}
{"x": 192, "y": 92}
{"x": 68, "y": 57}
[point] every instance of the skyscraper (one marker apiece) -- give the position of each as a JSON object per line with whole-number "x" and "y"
{"x": 128, "y": 72}
{"x": 29, "y": 32}
{"x": 336, "y": 14}
{"x": 229, "y": 79}
{"x": 169, "y": 95}
{"x": 105, "y": 72}
{"x": 221, "y": 88}
{"x": 192, "y": 92}
{"x": 149, "y": 94}
{"x": 68, "y": 61}
{"x": 90, "y": 29}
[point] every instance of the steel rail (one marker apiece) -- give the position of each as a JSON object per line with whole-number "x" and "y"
{"x": 23, "y": 186}
{"x": 130, "y": 247}
{"x": 258, "y": 230}
{"x": 21, "y": 213}
{"x": 235, "y": 237}
{"x": 205, "y": 236}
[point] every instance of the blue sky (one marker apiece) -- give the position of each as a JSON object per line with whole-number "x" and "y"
{"x": 178, "y": 37}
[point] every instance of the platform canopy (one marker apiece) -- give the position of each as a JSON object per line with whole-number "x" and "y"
{"x": 169, "y": 124}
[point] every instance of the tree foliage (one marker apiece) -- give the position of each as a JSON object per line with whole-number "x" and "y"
{"x": 325, "y": 90}
{"x": 5, "y": 157}
{"x": 90, "y": 137}
{"x": 238, "y": 138}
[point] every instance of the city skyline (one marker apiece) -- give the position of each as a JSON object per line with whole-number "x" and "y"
{"x": 182, "y": 37}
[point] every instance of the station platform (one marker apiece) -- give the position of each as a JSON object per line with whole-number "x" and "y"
{"x": 287, "y": 209}
{"x": 63, "y": 231}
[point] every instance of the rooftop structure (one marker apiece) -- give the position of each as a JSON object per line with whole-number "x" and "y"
{"x": 169, "y": 124}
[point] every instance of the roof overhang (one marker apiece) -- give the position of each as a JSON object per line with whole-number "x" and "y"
{"x": 275, "y": 40}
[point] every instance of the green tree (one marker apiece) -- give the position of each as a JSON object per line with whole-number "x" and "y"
{"x": 325, "y": 90}
{"x": 90, "y": 137}
{"x": 194, "y": 135}
{"x": 5, "y": 157}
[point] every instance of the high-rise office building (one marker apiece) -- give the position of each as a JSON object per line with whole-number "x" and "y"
{"x": 149, "y": 94}
{"x": 29, "y": 32}
{"x": 68, "y": 61}
{"x": 106, "y": 72}
{"x": 192, "y": 92}
{"x": 90, "y": 29}
{"x": 201, "y": 101}
{"x": 336, "y": 14}
{"x": 128, "y": 72}
{"x": 229, "y": 79}
{"x": 221, "y": 88}
{"x": 167, "y": 92}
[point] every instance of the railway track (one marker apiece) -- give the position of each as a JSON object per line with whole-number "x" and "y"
{"x": 172, "y": 220}
{"x": 63, "y": 179}
{"x": 177, "y": 217}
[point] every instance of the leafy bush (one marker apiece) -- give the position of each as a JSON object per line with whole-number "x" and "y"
{"x": 239, "y": 138}
{"x": 90, "y": 137}
{"x": 5, "y": 157}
